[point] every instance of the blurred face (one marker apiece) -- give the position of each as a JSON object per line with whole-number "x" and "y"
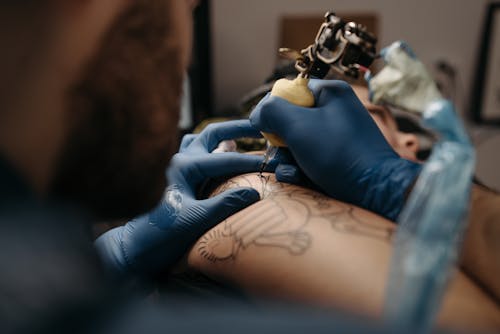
{"x": 405, "y": 144}
{"x": 124, "y": 112}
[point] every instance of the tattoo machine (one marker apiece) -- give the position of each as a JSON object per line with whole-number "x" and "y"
{"x": 346, "y": 47}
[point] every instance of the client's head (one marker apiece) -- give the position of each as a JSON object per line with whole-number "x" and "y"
{"x": 405, "y": 144}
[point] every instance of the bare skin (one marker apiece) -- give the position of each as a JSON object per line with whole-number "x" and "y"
{"x": 297, "y": 244}
{"x": 481, "y": 248}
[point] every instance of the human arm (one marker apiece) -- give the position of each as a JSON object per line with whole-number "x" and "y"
{"x": 296, "y": 244}
{"x": 481, "y": 248}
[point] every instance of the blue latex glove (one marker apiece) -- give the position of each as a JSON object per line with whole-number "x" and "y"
{"x": 287, "y": 170}
{"x": 339, "y": 147}
{"x": 155, "y": 241}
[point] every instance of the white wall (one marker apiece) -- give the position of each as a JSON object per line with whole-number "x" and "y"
{"x": 245, "y": 35}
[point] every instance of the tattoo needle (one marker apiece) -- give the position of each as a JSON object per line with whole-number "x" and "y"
{"x": 268, "y": 156}
{"x": 295, "y": 91}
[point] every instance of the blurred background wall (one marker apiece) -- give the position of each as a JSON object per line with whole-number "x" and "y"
{"x": 245, "y": 36}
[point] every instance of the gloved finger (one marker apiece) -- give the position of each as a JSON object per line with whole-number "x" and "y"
{"x": 226, "y": 204}
{"x": 288, "y": 173}
{"x": 316, "y": 85}
{"x": 214, "y": 133}
{"x": 225, "y": 164}
{"x": 283, "y": 156}
{"x": 292, "y": 174}
{"x": 326, "y": 91}
{"x": 276, "y": 115}
{"x": 186, "y": 141}
{"x": 334, "y": 96}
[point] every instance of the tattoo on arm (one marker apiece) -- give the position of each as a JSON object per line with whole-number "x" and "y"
{"x": 343, "y": 217}
{"x": 268, "y": 224}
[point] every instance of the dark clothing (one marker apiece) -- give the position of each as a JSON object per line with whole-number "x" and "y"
{"x": 51, "y": 282}
{"x": 47, "y": 263}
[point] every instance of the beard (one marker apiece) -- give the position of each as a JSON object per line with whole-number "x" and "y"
{"x": 123, "y": 115}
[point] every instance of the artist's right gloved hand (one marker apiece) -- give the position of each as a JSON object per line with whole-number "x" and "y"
{"x": 339, "y": 147}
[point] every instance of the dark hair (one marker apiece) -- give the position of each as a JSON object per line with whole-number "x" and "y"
{"x": 124, "y": 113}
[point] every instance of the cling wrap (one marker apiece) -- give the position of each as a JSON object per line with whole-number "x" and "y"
{"x": 431, "y": 224}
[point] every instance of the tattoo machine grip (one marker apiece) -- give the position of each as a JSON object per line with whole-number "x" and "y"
{"x": 294, "y": 91}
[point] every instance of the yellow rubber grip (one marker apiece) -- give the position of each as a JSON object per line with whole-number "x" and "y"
{"x": 294, "y": 91}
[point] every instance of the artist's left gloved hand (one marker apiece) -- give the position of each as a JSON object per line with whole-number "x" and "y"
{"x": 339, "y": 147}
{"x": 157, "y": 240}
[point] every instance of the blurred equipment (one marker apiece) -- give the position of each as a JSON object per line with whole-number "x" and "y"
{"x": 432, "y": 223}
{"x": 403, "y": 82}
